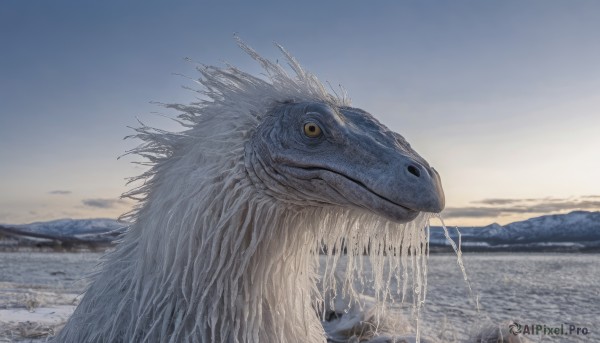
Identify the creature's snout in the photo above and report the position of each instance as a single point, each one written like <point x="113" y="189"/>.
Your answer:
<point x="397" y="185"/>
<point x="428" y="179"/>
<point x="414" y="185"/>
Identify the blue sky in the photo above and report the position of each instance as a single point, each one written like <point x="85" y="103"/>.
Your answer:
<point x="502" y="97"/>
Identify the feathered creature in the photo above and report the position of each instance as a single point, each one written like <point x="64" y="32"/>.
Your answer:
<point x="234" y="211"/>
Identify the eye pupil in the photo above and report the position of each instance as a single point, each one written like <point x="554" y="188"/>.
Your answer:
<point x="312" y="130"/>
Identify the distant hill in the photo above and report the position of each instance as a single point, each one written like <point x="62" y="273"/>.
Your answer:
<point x="62" y="233"/>
<point x="575" y="231"/>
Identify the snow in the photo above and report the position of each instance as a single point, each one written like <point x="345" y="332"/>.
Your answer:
<point x="578" y="230"/>
<point x="72" y="227"/>
<point x="66" y="231"/>
<point x="39" y="291"/>
<point x="43" y="316"/>
<point x="528" y="288"/>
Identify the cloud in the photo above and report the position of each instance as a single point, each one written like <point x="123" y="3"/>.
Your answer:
<point x="565" y="205"/>
<point x="471" y="212"/>
<point x="102" y="203"/>
<point x="59" y="192"/>
<point x="498" y="201"/>
<point x="503" y="207"/>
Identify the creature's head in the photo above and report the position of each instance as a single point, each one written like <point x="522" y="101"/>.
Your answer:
<point x="297" y="142"/>
<point x="322" y="153"/>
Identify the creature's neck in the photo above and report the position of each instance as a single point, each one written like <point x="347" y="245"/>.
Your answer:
<point x="265" y="290"/>
<point x="246" y="272"/>
<point x="226" y="265"/>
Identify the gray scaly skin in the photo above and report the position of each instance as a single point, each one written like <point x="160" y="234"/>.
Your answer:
<point x="354" y="161"/>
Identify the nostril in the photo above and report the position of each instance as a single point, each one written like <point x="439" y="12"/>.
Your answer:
<point x="414" y="170"/>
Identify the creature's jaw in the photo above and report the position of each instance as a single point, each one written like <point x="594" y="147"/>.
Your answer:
<point x="341" y="189"/>
<point x="363" y="196"/>
<point x="395" y="185"/>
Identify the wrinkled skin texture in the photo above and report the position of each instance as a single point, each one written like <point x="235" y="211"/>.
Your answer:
<point x="354" y="161"/>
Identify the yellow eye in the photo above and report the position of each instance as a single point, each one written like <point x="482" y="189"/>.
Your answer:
<point x="312" y="130"/>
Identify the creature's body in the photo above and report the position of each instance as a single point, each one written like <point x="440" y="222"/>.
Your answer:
<point x="224" y="245"/>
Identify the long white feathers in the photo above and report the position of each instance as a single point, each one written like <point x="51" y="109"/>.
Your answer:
<point x="208" y="258"/>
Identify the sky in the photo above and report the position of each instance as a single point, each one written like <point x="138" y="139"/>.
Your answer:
<point x="501" y="97"/>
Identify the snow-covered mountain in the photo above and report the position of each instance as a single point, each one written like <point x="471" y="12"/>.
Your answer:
<point x="72" y="227"/>
<point x="62" y="232"/>
<point x="575" y="231"/>
<point x="578" y="231"/>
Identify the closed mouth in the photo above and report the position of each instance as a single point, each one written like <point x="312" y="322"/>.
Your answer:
<point x="364" y="187"/>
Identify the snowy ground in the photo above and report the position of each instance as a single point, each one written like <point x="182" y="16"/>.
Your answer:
<point x="539" y="289"/>
<point x="38" y="291"/>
